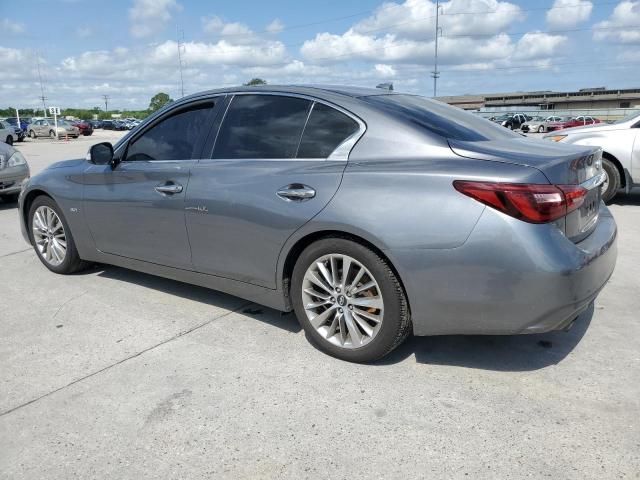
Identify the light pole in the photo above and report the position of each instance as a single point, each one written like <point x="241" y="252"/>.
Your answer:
<point x="436" y="74"/>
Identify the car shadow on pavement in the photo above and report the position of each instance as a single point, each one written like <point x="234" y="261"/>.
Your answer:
<point x="504" y="353"/>
<point x="622" y="199"/>
<point x="199" y="294"/>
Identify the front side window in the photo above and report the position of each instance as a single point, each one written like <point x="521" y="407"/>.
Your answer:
<point x="262" y="126"/>
<point x="173" y="138"/>
<point x="326" y="129"/>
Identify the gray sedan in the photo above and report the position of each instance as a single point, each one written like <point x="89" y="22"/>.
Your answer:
<point x="13" y="172"/>
<point x="371" y="214"/>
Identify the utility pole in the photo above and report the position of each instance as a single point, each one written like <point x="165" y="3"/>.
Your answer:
<point x="436" y="74"/>
<point x="180" y="45"/>
<point x="42" y="97"/>
<point x="106" y="103"/>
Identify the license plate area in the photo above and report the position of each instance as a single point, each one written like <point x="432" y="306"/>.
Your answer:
<point x="581" y="222"/>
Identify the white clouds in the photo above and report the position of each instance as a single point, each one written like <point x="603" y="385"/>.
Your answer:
<point x="276" y="26"/>
<point x="151" y="16"/>
<point x="568" y="13"/>
<point x="537" y="45"/>
<point x="384" y="70"/>
<point x="215" y="25"/>
<point x="10" y="27"/>
<point x="622" y="26"/>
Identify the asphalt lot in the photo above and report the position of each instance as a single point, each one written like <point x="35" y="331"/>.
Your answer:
<point x="117" y="374"/>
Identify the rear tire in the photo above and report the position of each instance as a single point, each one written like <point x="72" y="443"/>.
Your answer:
<point x="540" y="129"/>
<point x="9" y="140"/>
<point x="70" y="261"/>
<point x="32" y="134"/>
<point x="52" y="134"/>
<point x="612" y="184"/>
<point x="385" y="301"/>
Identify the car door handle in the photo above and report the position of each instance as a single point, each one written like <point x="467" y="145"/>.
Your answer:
<point x="296" y="192"/>
<point x="169" y="188"/>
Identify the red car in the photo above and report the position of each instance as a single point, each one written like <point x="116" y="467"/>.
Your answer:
<point x="86" y="128"/>
<point x="569" y="122"/>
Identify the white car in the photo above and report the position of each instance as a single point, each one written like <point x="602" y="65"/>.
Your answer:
<point x="620" y="142"/>
<point x="8" y="134"/>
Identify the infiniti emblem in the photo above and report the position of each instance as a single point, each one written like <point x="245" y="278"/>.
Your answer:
<point x="342" y="300"/>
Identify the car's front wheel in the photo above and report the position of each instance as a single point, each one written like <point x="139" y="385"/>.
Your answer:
<point x="349" y="301"/>
<point x="51" y="237"/>
<point x="612" y="182"/>
<point x="9" y="140"/>
<point x="52" y="134"/>
<point x="540" y="129"/>
<point x="32" y="134"/>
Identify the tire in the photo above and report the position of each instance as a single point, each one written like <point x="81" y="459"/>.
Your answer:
<point x="32" y="134"/>
<point x="540" y="129"/>
<point x="9" y="140"/>
<point x="612" y="185"/>
<point x="52" y="134"/>
<point x="334" y="335"/>
<point x="71" y="261"/>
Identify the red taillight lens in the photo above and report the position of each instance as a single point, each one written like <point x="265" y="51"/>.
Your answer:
<point x="531" y="203"/>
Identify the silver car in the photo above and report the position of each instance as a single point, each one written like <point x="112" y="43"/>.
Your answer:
<point x="8" y="134"/>
<point x="46" y="127"/>
<point x="620" y="142"/>
<point x="371" y="214"/>
<point x="14" y="171"/>
<point x="539" y="124"/>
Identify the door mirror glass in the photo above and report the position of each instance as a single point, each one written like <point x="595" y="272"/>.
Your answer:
<point x="101" y="153"/>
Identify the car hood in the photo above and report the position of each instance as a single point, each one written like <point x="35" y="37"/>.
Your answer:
<point x="66" y="163"/>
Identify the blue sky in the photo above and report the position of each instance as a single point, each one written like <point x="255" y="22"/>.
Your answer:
<point x="128" y="49"/>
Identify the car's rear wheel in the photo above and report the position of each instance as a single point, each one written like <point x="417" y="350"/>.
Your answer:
<point x="540" y="129"/>
<point x="51" y="237"/>
<point x="32" y="134"/>
<point x="9" y="140"/>
<point x="52" y="134"/>
<point x="612" y="181"/>
<point x="349" y="301"/>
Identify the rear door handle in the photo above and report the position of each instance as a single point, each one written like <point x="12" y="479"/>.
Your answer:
<point x="296" y="192"/>
<point x="169" y="188"/>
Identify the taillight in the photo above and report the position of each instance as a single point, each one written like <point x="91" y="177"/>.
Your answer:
<point x="531" y="203"/>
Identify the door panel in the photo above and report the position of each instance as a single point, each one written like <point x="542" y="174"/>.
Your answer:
<point x="236" y="221"/>
<point x="128" y="217"/>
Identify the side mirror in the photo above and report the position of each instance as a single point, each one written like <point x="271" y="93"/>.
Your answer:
<point x="101" y="154"/>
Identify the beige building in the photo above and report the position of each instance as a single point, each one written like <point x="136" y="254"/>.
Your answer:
<point x="588" y="98"/>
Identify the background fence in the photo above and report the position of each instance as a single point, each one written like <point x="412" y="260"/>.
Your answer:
<point x="604" y="114"/>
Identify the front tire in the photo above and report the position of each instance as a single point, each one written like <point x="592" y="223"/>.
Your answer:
<point x="51" y="237"/>
<point x="612" y="183"/>
<point x="9" y="140"/>
<point x="52" y="134"/>
<point x="349" y="301"/>
<point x="32" y="134"/>
<point x="540" y="129"/>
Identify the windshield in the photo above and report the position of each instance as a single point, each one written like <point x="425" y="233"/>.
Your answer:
<point x="628" y="118"/>
<point x="439" y="118"/>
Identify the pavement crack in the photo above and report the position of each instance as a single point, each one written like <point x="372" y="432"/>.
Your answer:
<point x="66" y="303"/>
<point x="126" y="359"/>
<point x="15" y="253"/>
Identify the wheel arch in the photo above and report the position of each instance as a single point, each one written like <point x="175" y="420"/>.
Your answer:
<point x="28" y="200"/>
<point x="618" y="165"/>
<point x="298" y="247"/>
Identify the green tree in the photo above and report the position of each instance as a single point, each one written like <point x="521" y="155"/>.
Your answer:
<point x="255" y="81"/>
<point x="159" y="100"/>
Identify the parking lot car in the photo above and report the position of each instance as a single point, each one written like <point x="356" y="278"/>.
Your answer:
<point x="107" y="125"/>
<point x="86" y="129"/>
<point x="512" y="121"/>
<point x="21" y="130"/>
<point x="621" y="144"/>
<point x="538" y="124"/>
<point x="45" y="127"/>
<point x="370" y="214"/>
<point x="570" y="122"/>
<point x="14" y="170"/>
<point x="8" y="133"/>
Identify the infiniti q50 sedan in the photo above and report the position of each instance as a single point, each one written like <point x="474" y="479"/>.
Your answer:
<point x="371" y="214"/>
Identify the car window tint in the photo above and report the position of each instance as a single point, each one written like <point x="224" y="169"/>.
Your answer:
<point x="174" y="138"/>
<point x="326" y="129"/>
<point x="439" y="118"/>
<point x="262" y="126"/>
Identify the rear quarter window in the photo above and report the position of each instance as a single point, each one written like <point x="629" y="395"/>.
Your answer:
<point x="439" y="118"/>
<point x="326" y="129"/>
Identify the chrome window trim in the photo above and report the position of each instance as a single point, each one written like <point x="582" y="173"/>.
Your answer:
<point x="341" y="152"/>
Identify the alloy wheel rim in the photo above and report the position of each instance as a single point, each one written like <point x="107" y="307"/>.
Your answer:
<point x="49" y="235"/>
<point x="342" y="301"/>
<point x="605" y="184"/>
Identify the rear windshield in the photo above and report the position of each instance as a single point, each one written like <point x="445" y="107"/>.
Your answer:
<point x="440" y="118"/>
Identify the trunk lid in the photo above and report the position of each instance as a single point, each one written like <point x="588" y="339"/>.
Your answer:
<point x="561" y="164"/>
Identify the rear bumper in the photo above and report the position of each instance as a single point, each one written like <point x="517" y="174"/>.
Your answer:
<point x="509" y="277"/>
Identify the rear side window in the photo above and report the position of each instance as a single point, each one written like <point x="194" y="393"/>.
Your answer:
<point x="262" y="126"/>
<point x="439" y="118"/>
<point x="173" y="138"/>
<point x="326" y="129"/>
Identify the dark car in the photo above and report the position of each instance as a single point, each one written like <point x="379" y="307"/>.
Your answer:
<point x="513" y="122"/>
<point x="85" y="127"/>
<point x="96" y="123"/>
<point x="21" y="130"/>
<point x="372" y="215"/>
<point x="108" y="125"/>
